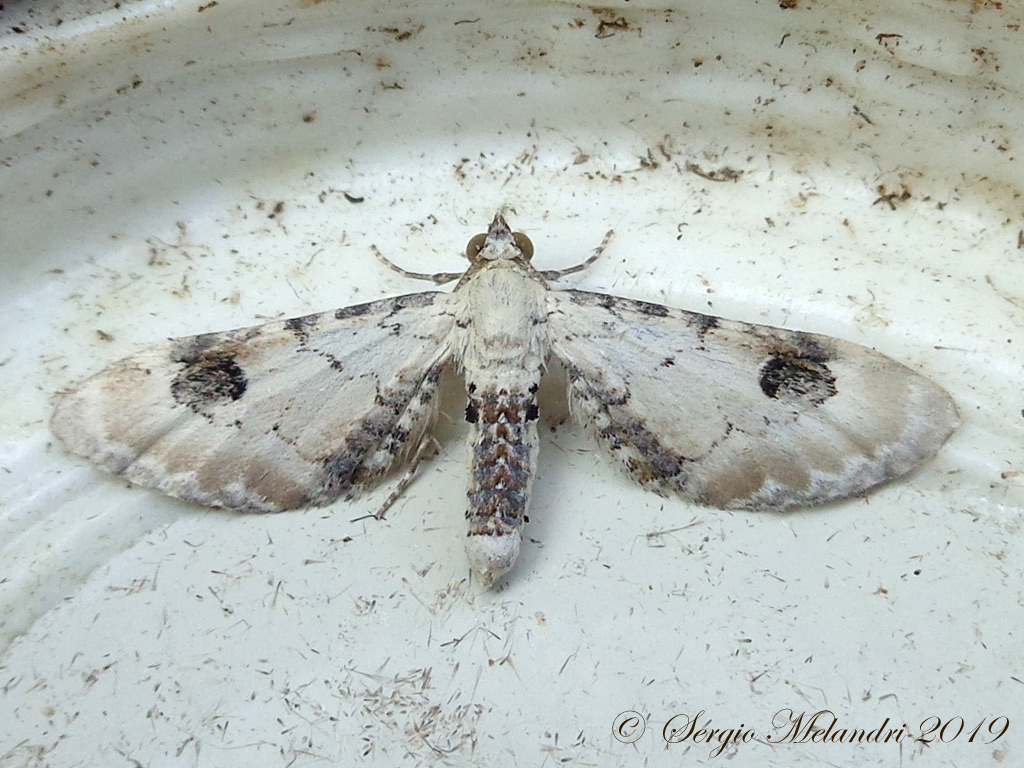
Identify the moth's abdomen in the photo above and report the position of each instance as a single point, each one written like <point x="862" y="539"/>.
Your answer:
<point x="503" y="464"/>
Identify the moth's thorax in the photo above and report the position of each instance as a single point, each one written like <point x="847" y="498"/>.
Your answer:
<point x="501" y="321"/>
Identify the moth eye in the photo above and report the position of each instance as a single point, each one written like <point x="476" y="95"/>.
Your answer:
<point x="523" y="244"/>
<point x="474" y="245"/>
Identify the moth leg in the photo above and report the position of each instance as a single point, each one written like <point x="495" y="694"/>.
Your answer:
<point x="438" y="278"/>
<point x="557" y="274"/>
<point x="428" y="444"/>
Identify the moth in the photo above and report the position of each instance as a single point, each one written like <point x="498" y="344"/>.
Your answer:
<point x="302" y="412"/>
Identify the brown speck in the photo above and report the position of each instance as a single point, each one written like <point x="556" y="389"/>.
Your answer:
<point x="725" y="173"/>
<point x="861" y="115"/>
<point x="882" y="37"/>
<point x="398" y="34"/>
<point x="135" y="83"/>
<point x="649" y="163"/>
<point x="607" y="27"/>
<point x="893" y="198"/>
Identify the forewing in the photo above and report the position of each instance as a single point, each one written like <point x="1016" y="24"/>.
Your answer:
<point x="735" y="415"/>
<point x="277" y="416"/>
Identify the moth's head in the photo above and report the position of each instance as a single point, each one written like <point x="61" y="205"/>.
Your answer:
<point x="499" y="243"/>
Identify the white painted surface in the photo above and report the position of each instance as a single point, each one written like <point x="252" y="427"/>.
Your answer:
<point x="141" y="629"/>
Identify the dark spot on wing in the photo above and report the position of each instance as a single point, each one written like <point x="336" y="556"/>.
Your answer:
<point x="208" y="377"/>
<point x="388" y="306"/>
<point x="343" y="470"/>
<point x="629" y="440"/>
<point x="796" y="377"/>
<point x="607" y="397"/>
<point x="424" y="299"/>
<point x="353" y="465"/>
<point x="614" y="303"/>
<point x="301" y="327"/>
<point x="397" y="437"/>
<point x="809" y="348"/>
<point x="354" y="311"/>
<point x="337" y="472"/>
<point x="653" y="310"/>
<point x="704" y="324"/>
<point x="667" y="362"/>
<point x="334" y="362"/>
<point x="434" y="374"/>
<point x="394" y="401"/>
<point x="659" y="465"/>
<point x="430" y="383"/>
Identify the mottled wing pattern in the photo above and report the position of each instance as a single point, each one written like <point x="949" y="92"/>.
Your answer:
<point x="277" y="416"/>
<point x="741" y="416"/>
